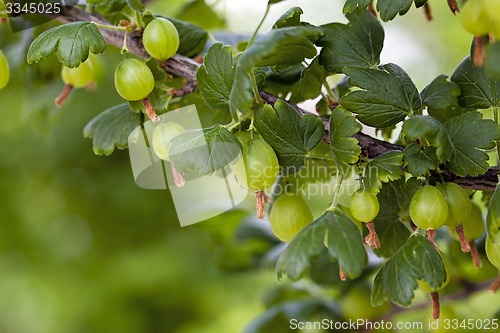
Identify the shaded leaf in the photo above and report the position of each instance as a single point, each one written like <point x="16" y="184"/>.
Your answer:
<point x="350" y="6"/>
<point x="343" y="239"/>
<point x="345" y="243"/>
<point x="492" y="65"/>
<point x="382" y="169"/>
<point x="192" y="38"/>
<point x="441" y="98"/>
<point x="478" y="90"/>
<point x="72" y="43"/>
<point x="215" y="76"/>
<point x="470" y="133"/>
<point x="388" y="9"/>
<point x="279" y="47"/>
<point x="429" y="131"/>
<point x="391" y="230"/>
<point x="357" y="44"/>
<point x="345" y="148"/>
<point x="290" y="19"/>
<point x="204" y="151"/>
<point x="388" y="95"/>
<point x="292" y="136"/>
<point x="396" y="281"/>
<point x="419" y="160"/>
<point x="111" y="129"/>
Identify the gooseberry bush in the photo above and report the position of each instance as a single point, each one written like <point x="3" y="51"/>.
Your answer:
<point x="415" y="199"/>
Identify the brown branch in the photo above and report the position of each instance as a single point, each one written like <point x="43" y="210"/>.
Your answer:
<point x="186" y="68"/>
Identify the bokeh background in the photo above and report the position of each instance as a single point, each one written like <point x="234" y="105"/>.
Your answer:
<point x="83" y="249"/>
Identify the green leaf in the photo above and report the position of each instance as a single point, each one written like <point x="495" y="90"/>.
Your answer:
<point x="397" y="279"/>
<point x="201" y="14"/>
<point x="492" y="65"/>
<point x="343" y="239"/>
<point x="135" y="5"/>
<point x="192" y="38"/>
<point x="478" y="90"/>
<point x="394" y="198"/>
<point x="292" y="136"/>
<point x="357" y="44"/>
<point x="429" y="130"/>
<point x="215" y="76"/>
<point x="420" y="3"/>
<point x="111" y="129"/>
<point x="419" y="160"/>
<point x="108" y="6"/>
<point x="290" y="19"/>
<point x="279" y="47"/>
<point x="345" y="148"/>
<point x="382" y="169"/>
<point x="204" y="151"/>
<point x="297" y="82"/>
<point x="272" y="2"/>
<point x="388" y="9"/>
<point x="345" y="243"/>
<point x="350" y="6"/>
<point x="441" y="98"/>
<point x="72" y="43"/>
<point x="470" y="133"/>
<point x="493" y="217"/>
<point x="309" y="242"/>
<point x="388" y="95"/>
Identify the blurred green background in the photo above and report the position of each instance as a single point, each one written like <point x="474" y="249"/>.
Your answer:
<point x="83" y="249"/>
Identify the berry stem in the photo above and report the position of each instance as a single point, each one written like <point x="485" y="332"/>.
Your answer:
<point x="474" y="253"/>
<point x="262" y="199"/>
<point x="495" y="284"/>
<point x="436" y="308"/>
<point x="178" y="179"/>
<point x="453" y="6"/>
<point x="431" y="234"/>
<point x="372" y="238"/>
<point x="371" y="9"/>
<point x="150" y="111"/>
<point x="260" y="25"/>
<point x="464" y="242"/>
<point x="427" y="12"/>
<point x="63" y="96"/>
<point x="479" y="51"/>
<point x="342" y="275"/>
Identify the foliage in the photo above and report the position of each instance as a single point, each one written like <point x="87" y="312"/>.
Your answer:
<point x="250" y="89"/>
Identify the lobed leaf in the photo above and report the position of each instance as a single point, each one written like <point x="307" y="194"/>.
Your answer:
<point x="419" y="160"/>
<point x="382" y="169"/>
<point x="279" y="47"/>
<point x="204" y="151"/>
<point x="72" y="42"/>
<point x="357" y="44"/>
<point x="397" y="280"/>
<point x="350" y="6"/>
<point x="441" y="98"/>
<point x="429" y="131"/>
<point x="111" y="129"/>
<point x="388" y="9"/>
<point x="216" y="75"/>
<point x="470" y="134"/>
<point x="290" y="19"/>
<point x="388" y="95"/>
<point x="478" y="90"/>
<point x="292" y="136"/>
<point x="345" y="148"/>
<point x="343" y="239"/>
